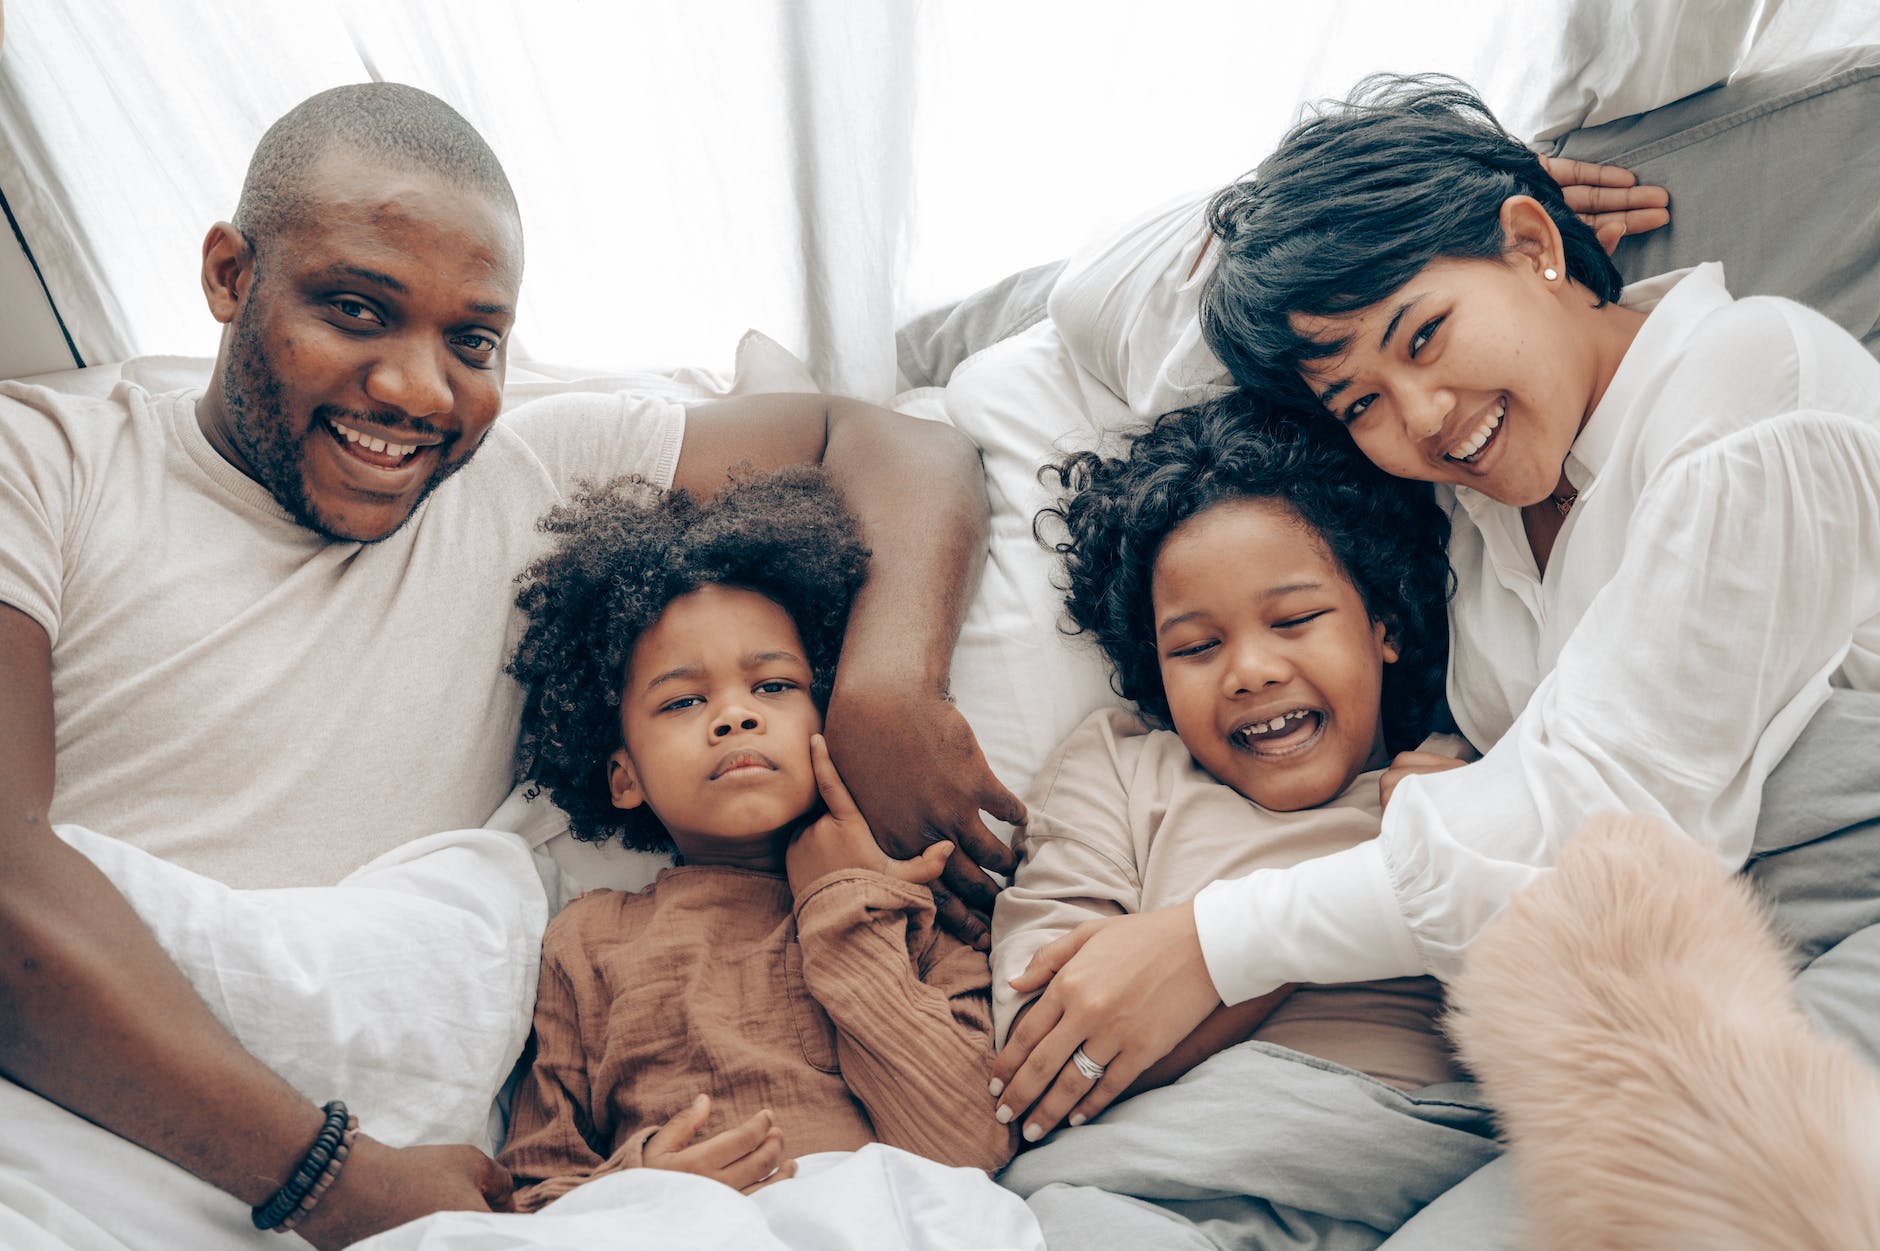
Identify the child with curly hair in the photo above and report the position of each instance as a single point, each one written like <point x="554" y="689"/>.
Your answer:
<point x="783" y="989"/>
<point x="1274" y="607"/>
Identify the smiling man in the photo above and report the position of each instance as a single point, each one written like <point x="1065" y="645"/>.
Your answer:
<point x="259" y="631"/>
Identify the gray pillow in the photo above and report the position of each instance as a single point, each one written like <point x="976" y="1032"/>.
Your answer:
<point x="928" y="347"/>
<point x="1774" y="175"/>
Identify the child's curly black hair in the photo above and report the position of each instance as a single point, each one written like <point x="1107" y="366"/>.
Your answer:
<point x="1387" y="534"/>
<point x="625" y="551"/>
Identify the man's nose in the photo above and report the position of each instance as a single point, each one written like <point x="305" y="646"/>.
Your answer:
<point x="411" y="377"/>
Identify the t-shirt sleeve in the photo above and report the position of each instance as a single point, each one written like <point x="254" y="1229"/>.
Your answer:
<point x="38" y="473"/>
<point x="591" y="437"/>
<point x="1076" y="861"/>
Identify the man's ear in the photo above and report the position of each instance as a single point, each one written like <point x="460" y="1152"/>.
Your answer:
<point x="1386" y="645"/>
<point x="622" y="782"/>
<point x="228" y="270"/>
<point x="1531" y="235"/>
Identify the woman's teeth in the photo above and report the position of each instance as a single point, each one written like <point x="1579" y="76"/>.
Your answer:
<point x="1467" y="450"/>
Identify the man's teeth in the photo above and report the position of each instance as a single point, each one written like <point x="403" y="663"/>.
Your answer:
<point x="1483" y="433"/>
<point x="374" y="445"/>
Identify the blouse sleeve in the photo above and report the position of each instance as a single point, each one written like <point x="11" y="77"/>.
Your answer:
<point x="913" y="1022"/>
<point x="1751" y="566"/>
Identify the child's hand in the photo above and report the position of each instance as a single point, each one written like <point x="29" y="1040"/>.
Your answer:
<point x="840" y="838"/>
<point x="746" y="1158"/>
<point x="1407" y="763"/>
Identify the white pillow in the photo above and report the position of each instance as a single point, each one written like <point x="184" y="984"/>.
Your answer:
<point x="406" y="990"/>
<point x="1614" y="58"/>
<point x="1022" y="684"/>
<point x="1127" y="307"/>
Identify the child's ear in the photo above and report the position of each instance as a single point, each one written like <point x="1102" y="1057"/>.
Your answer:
<point x="622" y="782"/>
<point x="1386" y="645"/>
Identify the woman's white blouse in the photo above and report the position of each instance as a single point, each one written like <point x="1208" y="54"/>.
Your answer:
<point x="1719" y="572"/>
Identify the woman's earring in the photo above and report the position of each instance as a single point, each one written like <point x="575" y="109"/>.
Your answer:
<point x="1550" y="273"/>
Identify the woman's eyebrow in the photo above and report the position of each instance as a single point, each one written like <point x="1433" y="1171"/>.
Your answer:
<point x="1391" y="329"/>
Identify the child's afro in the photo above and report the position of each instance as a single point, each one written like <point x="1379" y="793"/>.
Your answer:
<point x="624" y="551"/>
<point x="1387" y="535"/>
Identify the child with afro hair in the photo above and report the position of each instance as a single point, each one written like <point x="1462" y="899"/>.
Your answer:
<point x="1273" y="605"/>
<point x="782" y="989"/>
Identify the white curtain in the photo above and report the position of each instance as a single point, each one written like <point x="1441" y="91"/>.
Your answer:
<point x="818" y="169"/>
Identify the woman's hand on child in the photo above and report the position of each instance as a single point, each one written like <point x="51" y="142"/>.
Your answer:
<point x="1407" y="763"/>
<point x="746" y="1157"/>
<point x="840" y="838"/>
<point x="917" y="770"/>
<point x="1608" y="199"/>
<point x="1124" y="990"/>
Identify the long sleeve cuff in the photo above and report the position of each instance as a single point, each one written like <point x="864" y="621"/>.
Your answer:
<point x="1326" y="921"/>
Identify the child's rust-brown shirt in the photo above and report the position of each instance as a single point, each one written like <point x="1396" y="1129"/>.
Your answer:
<point x="850" y="1015"/>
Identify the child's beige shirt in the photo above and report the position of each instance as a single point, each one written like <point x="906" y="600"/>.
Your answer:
<point x="1123" y="820"/>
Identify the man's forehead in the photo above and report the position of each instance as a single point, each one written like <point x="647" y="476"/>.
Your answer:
<point x="370" y="219"/>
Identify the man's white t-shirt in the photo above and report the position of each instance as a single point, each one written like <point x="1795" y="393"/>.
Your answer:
<point x="247" y="699"/>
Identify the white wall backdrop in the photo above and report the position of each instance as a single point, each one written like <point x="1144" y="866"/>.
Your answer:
<point x="818" y="169"/>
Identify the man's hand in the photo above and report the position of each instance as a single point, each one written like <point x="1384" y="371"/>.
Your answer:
<point x="1406" y="763"/>
<point x="916" y="770"/>
<point x="1609" y="199"/>
<point x="840" y="838"/>
<point x="746" y="1158"/>
<point x="1126" y="990"/>
<point x="382" y="1187"/>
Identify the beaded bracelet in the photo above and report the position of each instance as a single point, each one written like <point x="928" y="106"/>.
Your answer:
<point x="336" y="1133"/>
<point x="327" y="1178"/>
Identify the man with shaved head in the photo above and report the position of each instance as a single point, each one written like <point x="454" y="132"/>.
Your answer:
<point x="259" y="630"/>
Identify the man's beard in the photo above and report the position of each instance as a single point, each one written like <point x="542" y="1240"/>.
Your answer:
<point x="262" y="433"/>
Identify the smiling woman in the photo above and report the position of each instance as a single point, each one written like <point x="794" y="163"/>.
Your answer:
<point x="1665" y="530"/>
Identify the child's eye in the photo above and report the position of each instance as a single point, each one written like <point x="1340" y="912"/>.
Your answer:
<point x="1195" y="649"/>
<point x="1356" y="408"/>
<point x="681" y="703"/>
<point x="1424" y="334"/>
<point x="775" y="686"/>
<point x="1292" y="623"/>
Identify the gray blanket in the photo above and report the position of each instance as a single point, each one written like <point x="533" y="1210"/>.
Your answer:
<point x="1256" y="1149"/>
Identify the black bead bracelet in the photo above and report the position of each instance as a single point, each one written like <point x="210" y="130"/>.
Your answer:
<point x="313" y="1166"/>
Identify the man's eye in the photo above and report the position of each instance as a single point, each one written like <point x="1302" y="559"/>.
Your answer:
<point x="476" y="344"/>
<point x="357" y="310"/>
<point x="1424" y="334"/>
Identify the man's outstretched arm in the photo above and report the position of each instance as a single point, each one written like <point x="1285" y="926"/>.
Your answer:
<point x="917" y="488"/>
<point x="95" y="1017"/>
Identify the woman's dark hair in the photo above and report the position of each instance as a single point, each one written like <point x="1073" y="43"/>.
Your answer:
<point x="623" y="552"/>
<point x="1352" y="205"/>
<point x="1387" y="535"/>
